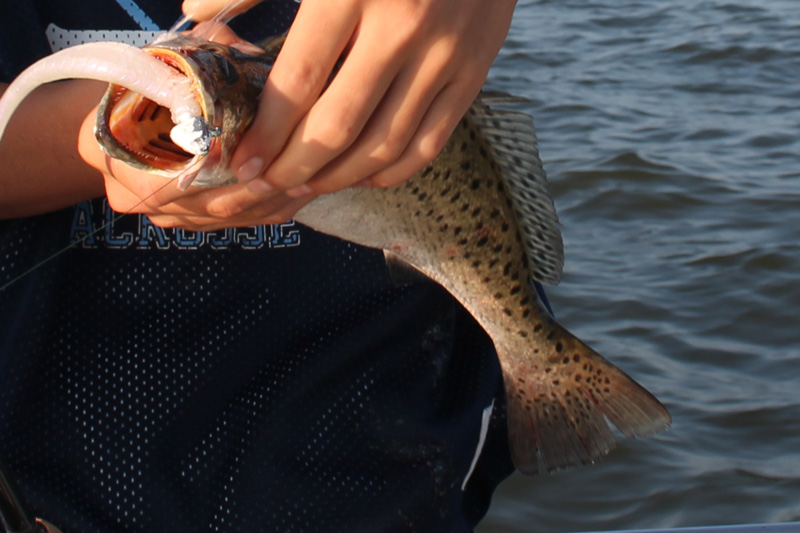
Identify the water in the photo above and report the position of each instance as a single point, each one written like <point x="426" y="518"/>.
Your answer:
<point x="670" y="131"/>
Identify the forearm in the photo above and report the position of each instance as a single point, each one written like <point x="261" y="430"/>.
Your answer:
<point x="40" y="168"/>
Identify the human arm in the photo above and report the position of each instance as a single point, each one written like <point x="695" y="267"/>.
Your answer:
<point x="40" y="170"/>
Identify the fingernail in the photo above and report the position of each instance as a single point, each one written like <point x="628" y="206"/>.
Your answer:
<point x="259" y="187"/>
<point x="300" y="190"/>
<point x="250" y="170"/>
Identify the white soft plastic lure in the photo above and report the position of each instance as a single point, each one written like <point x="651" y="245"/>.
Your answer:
<point x="124" y="65"/>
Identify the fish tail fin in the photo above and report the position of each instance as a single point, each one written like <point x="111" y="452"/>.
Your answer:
<point x="558" y="413"/>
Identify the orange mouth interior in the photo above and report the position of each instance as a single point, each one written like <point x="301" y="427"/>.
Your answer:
<point x="142" y="127"/>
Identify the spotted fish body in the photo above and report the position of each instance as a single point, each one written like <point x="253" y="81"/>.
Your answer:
<point x="480" y="221"/>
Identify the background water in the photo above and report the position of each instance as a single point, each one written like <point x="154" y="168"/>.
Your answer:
<point x="670" y="132"/>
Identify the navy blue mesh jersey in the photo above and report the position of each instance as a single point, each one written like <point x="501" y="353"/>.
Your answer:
<point x="256" y="379"/>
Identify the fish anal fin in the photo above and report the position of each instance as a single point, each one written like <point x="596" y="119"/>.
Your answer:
<point x="401" y="271"/>
<point x="559" y="410"/>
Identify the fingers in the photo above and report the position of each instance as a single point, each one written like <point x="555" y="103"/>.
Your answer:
<point x="412" y="69"/>
<point x="312" y="48"/>
<point x="200" y="10"/>
<point x="397" y="124"/>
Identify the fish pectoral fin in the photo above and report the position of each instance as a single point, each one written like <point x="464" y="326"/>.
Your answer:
<point x="558" y="415"/>
<point x="401" y="271"/>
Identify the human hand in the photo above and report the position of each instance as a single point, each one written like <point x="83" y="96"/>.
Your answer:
<point x="411" y="71"/>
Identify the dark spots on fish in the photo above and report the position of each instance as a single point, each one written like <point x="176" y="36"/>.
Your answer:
<point x="465" y="165"/>
<point x="476" y="212"/>
<point x="556" y="382"/>
<point x="423" y="196"/>
<point x="526" y="312"/>
<point x="444" y="228"/>
<point x="465" y="207"/>
<point x="467" y="255"/>
<point x="463" y="242"/>
<point x="504" y="227"/>
<point x="565" y="360"/>
<point x="551" y="335"/>
<point x="538" y="327"/>
<point x="500" y="186"/>
<point x="446" y="175"/>
<point x="548" y="370"/>
<point x="477" y="263"/>
<point x="445" y="191"/>
<point x="229" y="72"/>
<point x="430" y="213"/>
<point x="523" y="334"/>
<point x="483" y="153"/>
<point x="487" y="279"/>
<point x="497" y="249"/>
<point x="437" y="174"/>
<point x="464" y="147"/>
<point x="493" y="263"/>
<point x="525" y="300"/>
<point x="516" y="289"/>
<point x="418" y="214"/>
<point x="426" y="171"/>
<point x="559" y="347"/>
<point x="439" y="218"/>
<point x="515" y="276"/>
<point x="508" y="311"/>
<point x="475" y="185"/>
<point x="498" y="296"/>
<point x="479" y="226"/>
<point x="482" y="242"/>
<point x="457" y="231"/>
<point x="494" y="214"/>
<point x="415" y="191"/>
<point x="472" y="135"/>
<point x="507" y="268"/>
<point x="455" y="197"/>
<point x="578" y="378"/>
<point x="576" y="358"/>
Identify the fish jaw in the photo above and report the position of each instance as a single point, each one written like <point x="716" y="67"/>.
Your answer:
<point x="196" y="150"/>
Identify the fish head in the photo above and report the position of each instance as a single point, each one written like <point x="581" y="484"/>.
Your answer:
<point x="226" y="84"/>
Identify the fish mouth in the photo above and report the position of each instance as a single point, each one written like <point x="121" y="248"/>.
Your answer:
<point x="136" y="130"/>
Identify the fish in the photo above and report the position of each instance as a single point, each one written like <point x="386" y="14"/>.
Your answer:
<point x="479" y="220"/>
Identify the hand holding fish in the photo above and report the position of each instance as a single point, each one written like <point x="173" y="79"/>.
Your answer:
<point x="411" y="71"/>
<point x="132" y="190"/>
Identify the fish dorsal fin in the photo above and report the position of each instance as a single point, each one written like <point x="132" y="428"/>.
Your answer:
<point x="512" y="139"/>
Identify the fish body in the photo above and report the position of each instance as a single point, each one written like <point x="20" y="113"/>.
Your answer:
<point x="478" y="220"/>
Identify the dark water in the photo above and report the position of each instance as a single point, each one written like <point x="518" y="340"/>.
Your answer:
<point x="671" y="133"/>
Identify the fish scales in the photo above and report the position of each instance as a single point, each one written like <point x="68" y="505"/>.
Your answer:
<point x="478" y="220"/>
<point x="457" y="223"/>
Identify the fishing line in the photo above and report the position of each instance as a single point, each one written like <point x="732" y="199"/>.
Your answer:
<point x="84" y="238"/>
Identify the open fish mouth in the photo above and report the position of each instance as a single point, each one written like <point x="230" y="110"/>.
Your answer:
<point x="225" y="84"/>
<point x="143" y="133"/>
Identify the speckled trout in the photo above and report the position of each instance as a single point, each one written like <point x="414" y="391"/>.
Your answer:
<point x="478" y="220"/>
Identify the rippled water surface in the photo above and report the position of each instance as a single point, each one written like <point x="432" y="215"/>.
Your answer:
<point x="671" y="133"/>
